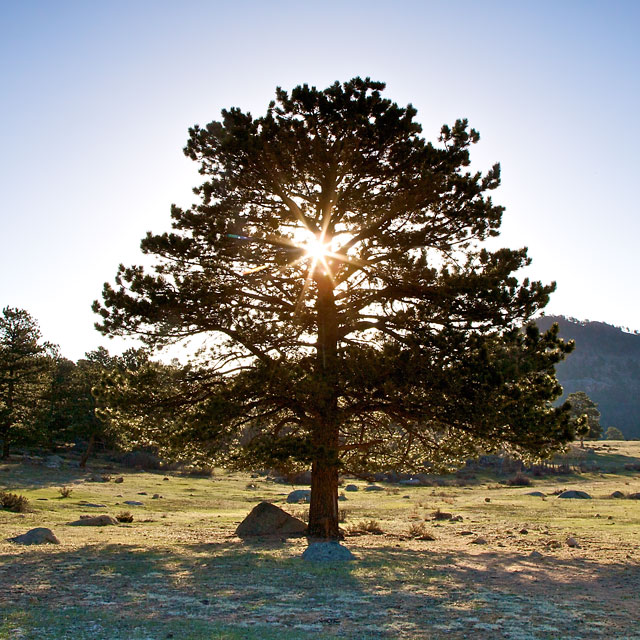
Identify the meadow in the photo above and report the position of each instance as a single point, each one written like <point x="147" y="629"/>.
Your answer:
<point x="504" y="569"/>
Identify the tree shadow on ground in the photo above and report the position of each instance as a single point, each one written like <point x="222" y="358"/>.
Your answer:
<point x="387" y="592"/>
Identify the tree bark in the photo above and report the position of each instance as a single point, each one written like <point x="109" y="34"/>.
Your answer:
<point x="323" y="511"/>
<point x="85" y="456"/>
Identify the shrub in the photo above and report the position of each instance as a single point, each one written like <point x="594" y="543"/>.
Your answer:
<point x="366" y="526"/>
<point x="200" y="472"/>
<point x="141" y="460"/>
<point x="519" y="480"/>
<point x="65" y="492"/>
<point x="342" y="515"/>
<point x="125" y="516"/>
<point x="13" y="502"/>
<point x="419" y="531"/>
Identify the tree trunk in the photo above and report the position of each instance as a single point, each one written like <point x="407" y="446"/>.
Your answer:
<point x="323" y="511"/>
<point x="87" y="453"/>
<point x="5" y="435"/>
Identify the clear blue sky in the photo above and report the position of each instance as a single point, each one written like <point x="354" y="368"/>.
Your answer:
<point x="96" y="99"/>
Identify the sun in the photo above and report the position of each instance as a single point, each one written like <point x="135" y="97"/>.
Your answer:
<point x="316" y="249"/>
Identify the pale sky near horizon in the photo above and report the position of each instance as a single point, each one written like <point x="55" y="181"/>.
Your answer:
<point x="96" y="100"/>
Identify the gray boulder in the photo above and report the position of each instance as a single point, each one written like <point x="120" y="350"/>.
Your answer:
<point x="40" y="535"/>
<point x="53" y="462"/>
<point x="265" y="519"/>
<point x="373" y="487"/>
<point x="537" y="494"/>
<point x="94" y="521"/>
<point x="351" y="487"/>
<point x="617" y="494"/>
<point x="331" y="551"/>
<point x="582" y="495"/>
<point x="299" y="495"/>
<point x="134" y="503"/>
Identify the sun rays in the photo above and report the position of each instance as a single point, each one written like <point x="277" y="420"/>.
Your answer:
<point x="314" y="249"/>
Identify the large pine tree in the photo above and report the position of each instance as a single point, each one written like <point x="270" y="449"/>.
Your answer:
<point x="335" y="259"/>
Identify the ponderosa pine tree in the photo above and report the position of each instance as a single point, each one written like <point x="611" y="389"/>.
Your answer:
<point x="335" y="259"/>
<point x="580" y="404"/>
<point x="25" y="362"/>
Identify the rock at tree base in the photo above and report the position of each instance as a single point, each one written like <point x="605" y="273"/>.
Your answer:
<point x="582" y="495"/>
<point x="299" y="495"/>
<point x="40" y="535"/>
<point x="94" y="521"/>
<point x="331" y="551"/>
<point x="266" y="519"/>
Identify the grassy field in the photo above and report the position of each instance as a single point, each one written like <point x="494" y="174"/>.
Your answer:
<point x="504" y="570"/>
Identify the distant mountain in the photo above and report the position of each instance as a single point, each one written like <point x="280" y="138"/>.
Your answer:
<point x="606" y="366"/>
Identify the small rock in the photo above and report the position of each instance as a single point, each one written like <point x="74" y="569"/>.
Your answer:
<point x="299" y="495"/>
<point x="40" y="535"/>
<point x="406" y="497"/>
<point x="581" y="495"/>
<point x="373" y="487"/>
<point x="609" y="517"/>
<point x="142" y="493"/>
<point x="479" y="540"/>
<point x="466" y="533"/>
<point x="93" y="505"/>
<point x="342" y="497"/>
<point x="634" y="496"/>
<point x="487" y="499"/>
<point x="456" y="519"/>
<point x="134" y="503"/>
<point x="97" y="521"/>
<point x="165" y="479"/>
<point x="572" y="542"/>
<point x="331" y="551"/>
<point x="537" y="494"/>
<point x="351" y="487"/>
<point x="156" y="496"/>
<point x="536" y="555"/>
<point x="53" y="462"/>
<point x="524" y="532"/>
<point x="119" y="480"/>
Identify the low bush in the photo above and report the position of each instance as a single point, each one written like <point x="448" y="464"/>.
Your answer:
<point x="141" y="460"/>
<point x="419" y="531"/>
<point x="125" y="516"/>
<point x="519" y="480"/>
<point x="13" y="502"/>
<point x="65" y="492"/>
<point x="366" y="526"/>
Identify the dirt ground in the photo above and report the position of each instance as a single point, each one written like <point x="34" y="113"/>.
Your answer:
<point x="504" y="570"/>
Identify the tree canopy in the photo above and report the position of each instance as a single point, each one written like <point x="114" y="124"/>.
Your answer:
<point x="354" y="320"/>
<point x="580" y="404"/>
<point x="25" y="362"/>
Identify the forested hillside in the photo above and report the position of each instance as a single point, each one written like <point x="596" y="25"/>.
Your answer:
<point x="606" y="365"/>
